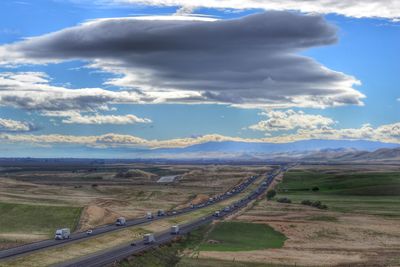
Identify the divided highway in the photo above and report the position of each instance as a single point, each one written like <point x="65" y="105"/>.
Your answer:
<point x="118" y="253"/>
<point x="17" y="251"/>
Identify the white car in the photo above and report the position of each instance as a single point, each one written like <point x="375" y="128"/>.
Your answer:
<point x="89" y="232"/>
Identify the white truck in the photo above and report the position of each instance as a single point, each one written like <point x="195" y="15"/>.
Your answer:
<point x="63" y="233"/>
<point x="121" y="221"/>
<point x="148" y="239"/>
<point x="149" y="215"/>
<point x="175" y="230"/>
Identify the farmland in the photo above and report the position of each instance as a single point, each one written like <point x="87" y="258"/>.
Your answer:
<point x="241" y="236"/>
<point x="374" y="193"/>
<point x="359" y="228"/>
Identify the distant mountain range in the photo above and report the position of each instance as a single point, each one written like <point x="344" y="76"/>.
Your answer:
<point x="298" y="146"/>
<point x="308" y="150"/>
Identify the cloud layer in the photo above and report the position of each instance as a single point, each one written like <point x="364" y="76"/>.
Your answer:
<point x="291" y="120"/>
<point x="74" y="117"/>
<point x="352" y="8"/>
<point x="7" y="125"/>
<point x="32" y="91"/>
<point x="385" y="133"/>
<point x="248" y="62"/>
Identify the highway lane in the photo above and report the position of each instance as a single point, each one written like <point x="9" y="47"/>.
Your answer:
<point x="17" y="251"/>
<point x="118" y="253"/>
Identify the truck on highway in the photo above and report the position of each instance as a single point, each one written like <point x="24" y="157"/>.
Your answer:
<point x="121" y="221"/>
<point x="148" y="239"/>
<point x="149" y="215"/>
<point x="160" y="213"/>
<point x="216" y="214"/>
<point x="175" y="230"/>
<point x="63" y="233"/>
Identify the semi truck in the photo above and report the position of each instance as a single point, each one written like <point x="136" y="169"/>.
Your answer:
<point x="121" y="221"/>
<point x="175" y="230"/>
<point x="160" y="213"/>
<point x="148" y="239"/>
<point x="63" y="233"/>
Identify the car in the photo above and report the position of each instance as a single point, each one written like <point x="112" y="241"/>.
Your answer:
<point x="133" y="244"/>
<point x="89" y="232"/>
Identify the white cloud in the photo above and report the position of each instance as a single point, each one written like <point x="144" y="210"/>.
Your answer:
<point x="14" y="126"/>
<point x="389" y="133"/>
<point x="33" y="91"/>
<point x="291" y="120"/>
<point x="74" y="117"/>
<point x="385" y="133"/>
<point x="297" y="125"/>
<point x="114" y="140"/>
<point x="389" y="9"/>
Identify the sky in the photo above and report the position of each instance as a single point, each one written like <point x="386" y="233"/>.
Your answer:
<point x="77" y="75"/>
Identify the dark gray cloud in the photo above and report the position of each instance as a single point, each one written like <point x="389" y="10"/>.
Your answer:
<point x="251" y="61"/>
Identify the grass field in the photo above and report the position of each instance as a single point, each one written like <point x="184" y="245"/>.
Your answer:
<point x="242" y="236"/>
<point x="22" y="218"/>
<point x="371" y="193"/>
<point x="171" y="255"/>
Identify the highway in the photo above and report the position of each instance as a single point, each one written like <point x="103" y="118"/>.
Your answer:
<point x="103" y="258"/>
<point x="20" y="250"/>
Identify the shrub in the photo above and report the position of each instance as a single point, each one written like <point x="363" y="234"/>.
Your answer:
<point x="306" y="202"/>
<point x="316" y="204"/>
<point x="271" y="193"/>
<point x="315" y="188"/>
<point x="284" y="200"/>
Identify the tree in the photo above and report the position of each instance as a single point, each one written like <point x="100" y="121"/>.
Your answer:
<point x="270" y="194"/>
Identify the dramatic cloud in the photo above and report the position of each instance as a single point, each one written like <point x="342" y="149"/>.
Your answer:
<point x="250" y="62"/>
<point x="73" y="117"/>
<point x="352" y="8"/>
<point x="386" y="133"/>
<point x="291" y="120"/>
<point x="7" y="125"/>
<point x="32" y="91"/>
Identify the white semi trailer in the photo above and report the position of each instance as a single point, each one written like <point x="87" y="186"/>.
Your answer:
<point x="148" y="239"/>
<point x="63" y="233"/>
<point x="175" y="230"/>
<point x="121" y="221"/>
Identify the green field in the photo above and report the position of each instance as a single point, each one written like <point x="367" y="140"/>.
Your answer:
<point x="372" y="193"/>
<point x="242" y="236"/>
<point x="22" y="218"/>
<point x="171" y="254"/>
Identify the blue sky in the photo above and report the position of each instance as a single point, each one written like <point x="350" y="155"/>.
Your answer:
<point x="367" y="49"/>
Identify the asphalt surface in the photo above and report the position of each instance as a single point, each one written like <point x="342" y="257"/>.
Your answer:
<point x="118" y="253"/>
<point x="17" y="251"/>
